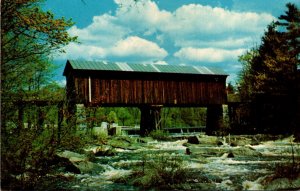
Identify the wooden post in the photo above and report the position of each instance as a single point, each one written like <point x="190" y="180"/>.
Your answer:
<point x="60" y="118"/>
<point x="214" y="119"/>
<point x="71" y="103"/>
<point x="40" y="120"/>
<point x="71" y="118"/>
<point x="150" y="119"/>
<point x="90" y="90"/>
<point x="20" y="116"/>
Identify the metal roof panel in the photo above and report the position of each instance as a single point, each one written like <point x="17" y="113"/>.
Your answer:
<point x="111" y="66"/>
<point x="142" y="68"/>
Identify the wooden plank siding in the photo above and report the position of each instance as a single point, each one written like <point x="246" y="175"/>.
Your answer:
<point x="153" y="92"/>
<point x="111" y="86"/>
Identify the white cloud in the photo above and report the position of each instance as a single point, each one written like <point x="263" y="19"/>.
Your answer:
<point x="103" y="31"/>
<point x="196" y="23"/>
<point x="143" y="15"/>
<point x="62" y="83"/>
<point x="193" y="25"/>
<point x="216" y="43"/>
<point x="140" y="30"/>
<point x="205" y="19"/>
<point x="83" y="51"/>
<point x="135" y="46"/>
<point x="130" y="47"/>
<point x="160" y="62"/>
<point x="207" y="54"/>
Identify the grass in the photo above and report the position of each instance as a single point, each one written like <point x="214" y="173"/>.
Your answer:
<point x="160" y="135"/>
<point x="160" y="170"/>
<point x="290" y="170"/>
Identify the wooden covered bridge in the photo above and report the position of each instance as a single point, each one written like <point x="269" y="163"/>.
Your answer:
<point x="148" y="87"/>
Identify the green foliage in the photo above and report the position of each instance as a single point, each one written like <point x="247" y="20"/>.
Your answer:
<point x="73" y="141"/>
<point x="127" y="116"/>
<point x="183" y="117"/>
<point x="161" y="171"/>
<point x="28" y="36"/>
<point x="289" y="170"/>
<point x="123" y="115"/>
<point x="130" y="116"/>
<point x="27" y="30"/>
<point x="271" y="67"/>
<point x="230" y="88"/>
<point x="112" y="117"/>
<point x="159" y="135"/>
<point x="268" y="80"/>
<point x="25" y="158"/>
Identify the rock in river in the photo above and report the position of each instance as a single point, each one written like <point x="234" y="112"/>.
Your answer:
<point x="81" y="162"/>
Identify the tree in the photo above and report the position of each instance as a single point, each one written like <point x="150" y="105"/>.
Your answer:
<point x="245" y="86"/>
<point x="27" y="31"/>
<point x="112" y="117"/>
<point x="123" y="115"/>
<point x="269" y="75"/>
<point x="29" y="36"/>
<point x="271" y="67"/>
<point x="230" y="88"/>
<point x="290" y="22"/>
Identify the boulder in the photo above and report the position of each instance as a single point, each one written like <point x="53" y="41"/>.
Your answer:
<point x="240" y="141"/>
<point x="245" y="151"/>
<point x="72" y="156"/>
<point x="104" y="150"/>
<point x="87" y="167"/>
<point x="230" y="155"/>
<point x="123" y="143"/>
<point x="144" y="139"/>
<point x="64" y="164"/>
<point x="283" y="184"/>
<point x="78" y="163"/>
<point x="100" y="131"/>
<point x="194" y="140"/>
<point x="115" y="130"/>
<point x="188" y="151"/>
<point x="220" y="143"/>
<point x="209" y="140"/>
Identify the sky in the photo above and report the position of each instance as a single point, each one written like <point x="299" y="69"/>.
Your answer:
<point x="212" y="33"/>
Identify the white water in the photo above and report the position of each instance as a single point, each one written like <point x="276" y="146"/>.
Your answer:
<point x="241" y="172"/>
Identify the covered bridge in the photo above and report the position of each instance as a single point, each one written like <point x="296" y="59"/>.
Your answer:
<point x="147" y="86"/>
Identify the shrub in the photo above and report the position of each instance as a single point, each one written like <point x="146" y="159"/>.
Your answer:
<point x="289" y="170"/>
<point x="25" y="158"/>
<point x="160" y="135"/>
<point x="27" y="155"/>
<point x="162" y="170"/>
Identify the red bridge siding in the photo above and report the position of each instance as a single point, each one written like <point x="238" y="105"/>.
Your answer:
<point x="154" y="92"/>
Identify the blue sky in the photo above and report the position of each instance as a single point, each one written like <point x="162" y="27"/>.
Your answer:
<point x="210" y="33"/>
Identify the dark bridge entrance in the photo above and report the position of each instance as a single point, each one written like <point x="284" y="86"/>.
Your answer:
<point x="147" y="86"/>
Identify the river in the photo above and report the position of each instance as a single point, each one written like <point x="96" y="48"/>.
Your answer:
<point x="228" y="163"/>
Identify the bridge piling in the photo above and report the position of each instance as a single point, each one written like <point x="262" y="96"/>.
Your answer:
<point x="214" y="119"/>
<point x="150" y="119"/>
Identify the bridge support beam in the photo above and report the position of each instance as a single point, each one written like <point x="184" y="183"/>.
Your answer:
<point x="150" y="119"/>
<point x="214" y="120"/>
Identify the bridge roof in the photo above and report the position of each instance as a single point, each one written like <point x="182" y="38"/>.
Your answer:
<point x="150" y="68"/>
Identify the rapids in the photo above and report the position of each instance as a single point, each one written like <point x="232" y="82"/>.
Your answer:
<point x="214" y="166"/>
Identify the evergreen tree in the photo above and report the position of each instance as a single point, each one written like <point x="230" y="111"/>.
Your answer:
<point x="271" y="68"/>
<point x="269" y="75"/>
<point x="290" y="22"/>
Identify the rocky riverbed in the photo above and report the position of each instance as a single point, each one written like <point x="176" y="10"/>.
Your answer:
<point x="195" y="162"/>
